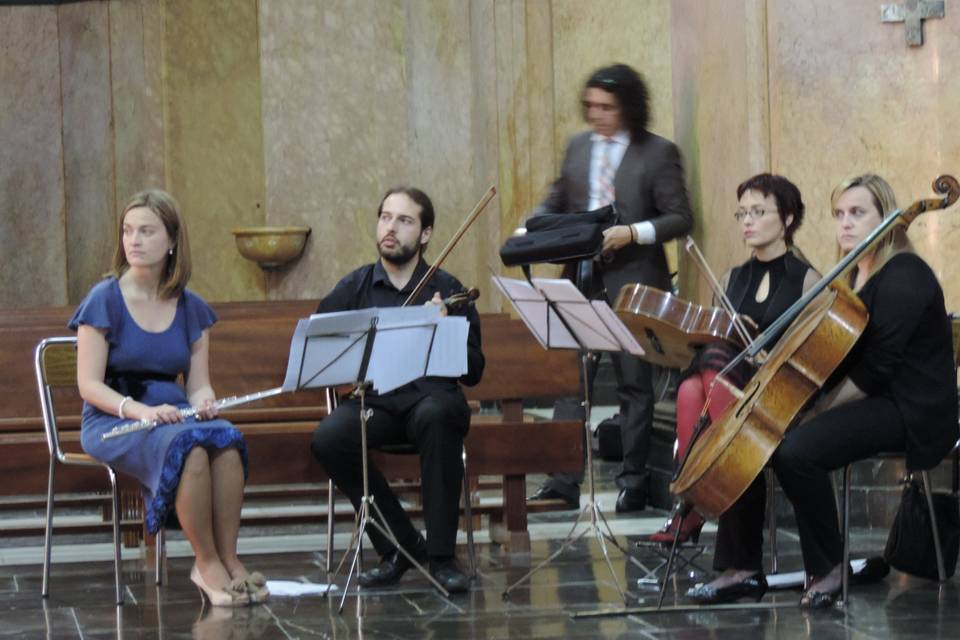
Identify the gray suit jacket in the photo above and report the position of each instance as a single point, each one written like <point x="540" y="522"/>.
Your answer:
<point x="649" y="185"/>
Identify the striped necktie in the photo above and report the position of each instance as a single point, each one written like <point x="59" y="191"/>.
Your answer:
<point x="607" y="175"/>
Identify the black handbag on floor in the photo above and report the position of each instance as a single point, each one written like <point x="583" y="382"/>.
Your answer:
<point x="910" y="543"/>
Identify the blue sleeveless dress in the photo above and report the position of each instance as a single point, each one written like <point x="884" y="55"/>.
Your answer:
<point x="144" y="365"/>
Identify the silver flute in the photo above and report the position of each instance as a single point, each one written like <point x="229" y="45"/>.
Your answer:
<point x="189" y="412"/>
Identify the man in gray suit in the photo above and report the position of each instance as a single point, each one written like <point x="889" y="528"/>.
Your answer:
<point x="619" y="162"/>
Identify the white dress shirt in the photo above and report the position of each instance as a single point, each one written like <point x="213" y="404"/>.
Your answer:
<point x="644" y="232"/>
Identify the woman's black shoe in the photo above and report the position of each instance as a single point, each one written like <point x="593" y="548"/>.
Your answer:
<point x="819" y="599"/>
<point x="753" y="587"/>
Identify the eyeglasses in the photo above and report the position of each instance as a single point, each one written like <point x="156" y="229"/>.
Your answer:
<point x="753" y="214"/>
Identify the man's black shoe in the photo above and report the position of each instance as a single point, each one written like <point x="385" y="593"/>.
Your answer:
<point x="546" y="493"/>
<point x="391" y="569"/>
<point x="449" y="575"/>
<point x="631" y="500"/>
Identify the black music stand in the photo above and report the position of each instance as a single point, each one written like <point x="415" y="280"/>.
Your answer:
<point x="560" y="317"/>
<point x="378" y="349"/>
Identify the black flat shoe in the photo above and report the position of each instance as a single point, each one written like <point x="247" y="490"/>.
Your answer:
<point x="753" y="587"/>
<point x="391" y="569"/>
<point x="631" y="500"/>
<point x="546" y="493"/>
<point x="450" y="577"/>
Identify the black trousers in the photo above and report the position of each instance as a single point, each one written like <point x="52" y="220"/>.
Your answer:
<point x="803" y="463"/>
<point x="635" y="393"/>
<point x="436" y="425"/>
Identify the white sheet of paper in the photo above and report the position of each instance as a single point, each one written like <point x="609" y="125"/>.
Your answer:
<point x="291" y="588"/>
<point x="338" y="354"/>
<point x="545" y="326"/>
<point x="415" y="341"/>
<point x="327" y="349"/>
<point x="627" y="342"/>
<point x="449" y="353"/>
<point x="596" y="326"/>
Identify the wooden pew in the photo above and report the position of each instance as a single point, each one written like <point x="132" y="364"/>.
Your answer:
<point x="249" y="347"/>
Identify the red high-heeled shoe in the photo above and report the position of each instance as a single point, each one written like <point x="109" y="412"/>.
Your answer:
<point x="689" y="530"/>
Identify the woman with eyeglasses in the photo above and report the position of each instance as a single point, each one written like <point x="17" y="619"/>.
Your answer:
<point x="769" y="212"/>
<point x="895" y="392"/>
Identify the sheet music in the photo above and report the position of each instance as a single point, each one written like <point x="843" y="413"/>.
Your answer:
<point x="627" y="342"/>
<point x="596" y="326"/>
<point x="410" y="342"/>
<point x="411" y="338"/>
<point x="545" y="326"/>
<point x="333" y="361"/>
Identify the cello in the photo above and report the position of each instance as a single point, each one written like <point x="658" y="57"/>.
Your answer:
<point x="821" y="329"/>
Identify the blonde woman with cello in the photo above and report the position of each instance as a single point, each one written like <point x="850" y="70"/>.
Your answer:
<point x="896" y="391"/>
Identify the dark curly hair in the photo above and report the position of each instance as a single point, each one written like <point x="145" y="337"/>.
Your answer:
<point x="631" y="94"/>
<point x="419" y="198"/>
<point x="787" y="195"/>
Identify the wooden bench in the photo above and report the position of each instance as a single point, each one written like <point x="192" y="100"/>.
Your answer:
<point x="249" y="347"/>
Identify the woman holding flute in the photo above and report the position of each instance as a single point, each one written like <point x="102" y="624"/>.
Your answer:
<point x="137" y="331"/>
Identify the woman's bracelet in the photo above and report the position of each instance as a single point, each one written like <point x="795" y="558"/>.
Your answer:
<point x="633" y="234"/>
<point x="125" y="400"/>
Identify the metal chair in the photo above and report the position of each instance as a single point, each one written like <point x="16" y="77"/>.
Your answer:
<point x="845" y="521"/>
<point x="55" y="363"/>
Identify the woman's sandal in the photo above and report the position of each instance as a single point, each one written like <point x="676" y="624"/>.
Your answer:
<point x="256" y="585"/>
<point x="819" y="599"/>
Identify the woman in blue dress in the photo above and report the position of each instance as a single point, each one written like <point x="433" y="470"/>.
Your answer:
<point x="137" y="331"/>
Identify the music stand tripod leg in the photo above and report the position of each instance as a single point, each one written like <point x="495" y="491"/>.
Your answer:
<point x="591" y="507"/>
<point x="364" y="516"/>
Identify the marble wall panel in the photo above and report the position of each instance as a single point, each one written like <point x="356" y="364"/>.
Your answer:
<point x="484" y="144"/>
<point x="31" y="168"/>
<point x="136" y="66"/>
<point x="525" y="109"/>
<point x="848" y="96"/>
<point x="336" y="121"/>
<point x="214" y="136"/>
<point x="442" y="95"/>
<point x="587" y="35"/>
<point x="720" y="113"/>
<point x="88" y="158"/>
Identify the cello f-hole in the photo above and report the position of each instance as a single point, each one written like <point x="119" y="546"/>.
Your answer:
<point x="746" y="401"/>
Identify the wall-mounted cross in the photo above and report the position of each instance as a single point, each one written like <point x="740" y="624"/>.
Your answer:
<point x="912" y="13"/>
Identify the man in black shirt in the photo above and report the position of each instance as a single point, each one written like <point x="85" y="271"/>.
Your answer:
<point x="430" y="412"/>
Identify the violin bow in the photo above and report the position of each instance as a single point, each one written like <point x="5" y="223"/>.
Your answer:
<point x="698" y="259"/>
<point x="477" y="210"/>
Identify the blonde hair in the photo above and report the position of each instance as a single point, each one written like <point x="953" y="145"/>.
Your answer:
<point x="176" y="272"/>
<point x="895" y="240"/>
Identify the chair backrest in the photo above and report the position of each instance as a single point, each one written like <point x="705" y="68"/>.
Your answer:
<point x="55" y="362"/>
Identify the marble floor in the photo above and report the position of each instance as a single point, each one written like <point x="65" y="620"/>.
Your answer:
<point x="575" y="583"/>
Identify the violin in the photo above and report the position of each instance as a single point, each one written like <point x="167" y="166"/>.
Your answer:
<point x="461" y="298"/>
<point x="820" y="330"/>
<point x="669" y="328"/>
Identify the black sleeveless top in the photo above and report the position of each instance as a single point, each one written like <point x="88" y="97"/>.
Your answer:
<point x="787" y="274"/>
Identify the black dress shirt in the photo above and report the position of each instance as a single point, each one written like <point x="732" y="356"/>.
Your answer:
<point x="369" y="286"/>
